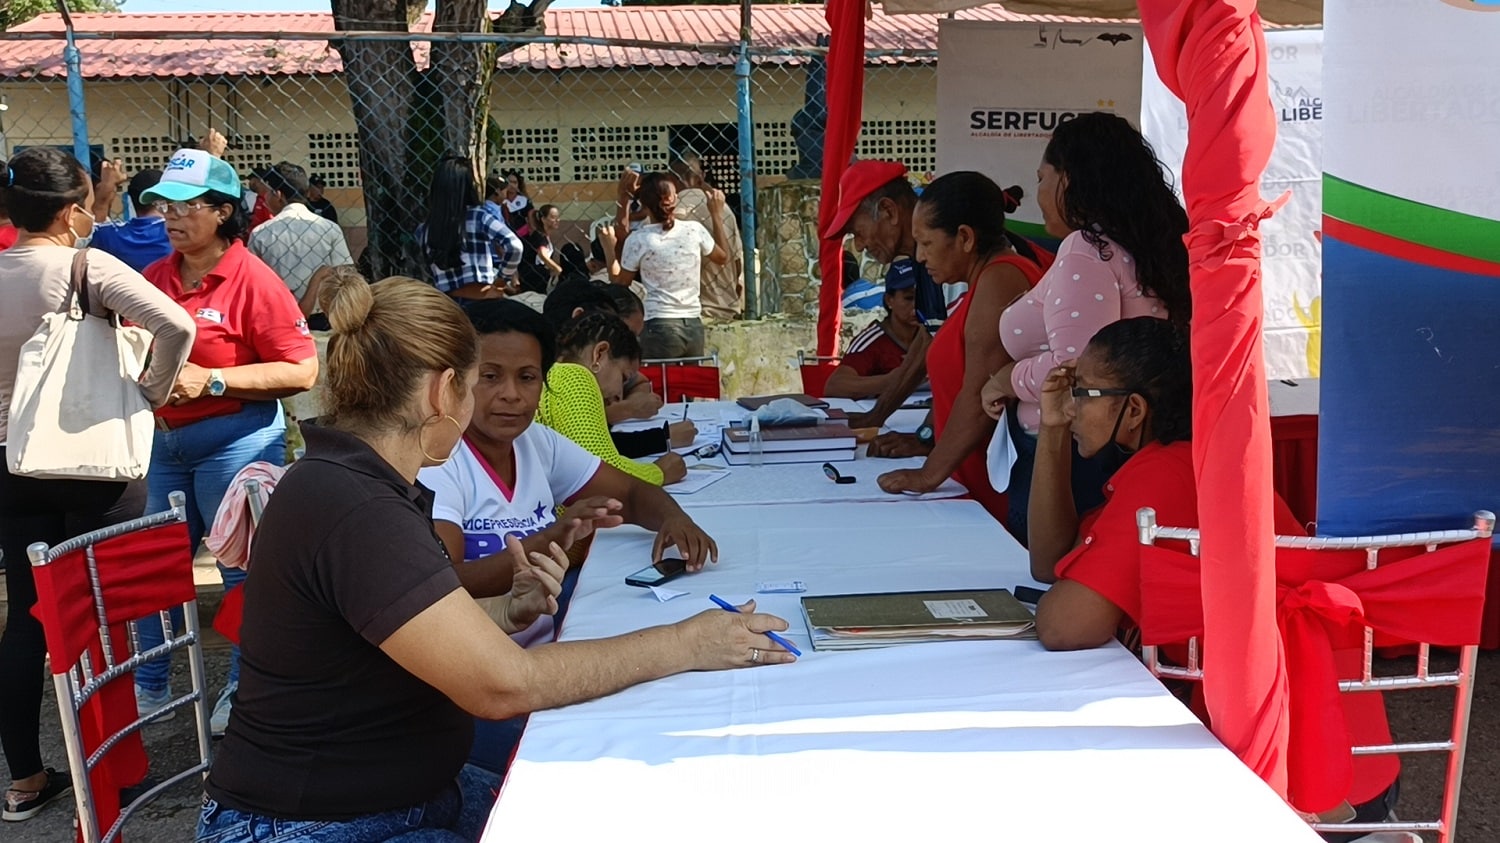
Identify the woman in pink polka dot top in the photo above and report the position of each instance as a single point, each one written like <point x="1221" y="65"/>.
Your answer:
<point x="1102" y="191"/>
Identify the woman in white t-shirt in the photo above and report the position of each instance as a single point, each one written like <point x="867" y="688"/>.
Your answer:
<point x="667" y="254"/>
<point x="508" y="476"/>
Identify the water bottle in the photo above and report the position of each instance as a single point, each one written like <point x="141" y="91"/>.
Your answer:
<point x="757" y="445"/>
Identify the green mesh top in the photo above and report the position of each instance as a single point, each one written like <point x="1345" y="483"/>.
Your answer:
<point x="573" y="406"/>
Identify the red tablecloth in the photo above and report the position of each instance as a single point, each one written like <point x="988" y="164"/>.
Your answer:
<point x="1294" y="459"/>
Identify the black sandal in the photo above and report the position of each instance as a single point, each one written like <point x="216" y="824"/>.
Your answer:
<point x="25" y="804"/>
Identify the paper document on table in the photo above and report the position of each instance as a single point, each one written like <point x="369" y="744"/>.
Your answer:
<point x="697" y="480"/>
<point x="1001" y="455"/>
<point x="954" y="609"/>
<point x="664" y="594"/>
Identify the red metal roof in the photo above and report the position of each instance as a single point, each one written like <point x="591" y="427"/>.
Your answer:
<point x="134" y="52"/>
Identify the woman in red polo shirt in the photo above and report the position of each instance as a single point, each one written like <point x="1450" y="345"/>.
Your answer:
<point x="1131" y="394"/>
<point x="252" y="349"/>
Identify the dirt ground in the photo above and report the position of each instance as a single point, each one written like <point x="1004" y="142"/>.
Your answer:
<point x="1421" y="715"/>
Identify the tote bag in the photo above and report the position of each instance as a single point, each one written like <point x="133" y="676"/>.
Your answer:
<point x="78" y="412"/>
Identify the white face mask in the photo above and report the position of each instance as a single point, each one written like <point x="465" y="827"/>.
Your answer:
<point x="82" y="240"/>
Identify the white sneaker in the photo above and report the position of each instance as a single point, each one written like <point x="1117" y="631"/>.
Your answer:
<point x="220" y="720"/>
<point x="147" y="702"/>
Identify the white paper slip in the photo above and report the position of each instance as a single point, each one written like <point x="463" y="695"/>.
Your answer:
<point x="663" y="593"/>
<point x="954" y="609"/>
<point x="781" y="587"/>
<point x="696" y="480"/>
<point x="1001" y="455"/>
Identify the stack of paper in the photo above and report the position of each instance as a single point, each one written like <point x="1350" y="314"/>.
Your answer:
<point x="862" y="621"/>
<point x="825" y="442"/>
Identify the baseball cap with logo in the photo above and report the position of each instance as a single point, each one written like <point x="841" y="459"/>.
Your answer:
<point x="190" y="174"/>
<point x="858" y="182"/>
<point x="901" y="276"/>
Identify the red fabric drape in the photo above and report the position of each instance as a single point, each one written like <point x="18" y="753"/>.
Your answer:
<point x="139" y="574"/>
<point x="1324" y="599"/>
<point x="845" y="94"/>
<point x="1212" y="54"/>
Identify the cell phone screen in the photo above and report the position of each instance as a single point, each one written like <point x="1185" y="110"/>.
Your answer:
<point x="663" y="571"/>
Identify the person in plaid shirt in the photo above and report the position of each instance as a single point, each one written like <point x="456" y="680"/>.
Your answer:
<point x="471" y="253"/>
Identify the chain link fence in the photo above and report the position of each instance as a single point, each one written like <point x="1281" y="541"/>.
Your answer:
<point x="370" y="115"/>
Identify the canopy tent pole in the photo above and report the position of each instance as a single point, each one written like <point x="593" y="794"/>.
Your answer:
<point x="844" y="91"/>
<point x="1212" y="54"/>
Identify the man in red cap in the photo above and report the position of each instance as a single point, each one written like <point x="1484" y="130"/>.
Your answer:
<point x="875" y="205"/>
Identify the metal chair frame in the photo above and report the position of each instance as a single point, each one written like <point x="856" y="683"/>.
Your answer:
<point x="1461" y="679"/>
<point x="81" y="682"/>
<point x="807" y="360"/>
<point x="666" y="364"/>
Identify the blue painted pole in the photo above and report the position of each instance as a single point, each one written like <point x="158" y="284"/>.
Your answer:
<point x="747" y="164"/>
<point x="74" y="62"/>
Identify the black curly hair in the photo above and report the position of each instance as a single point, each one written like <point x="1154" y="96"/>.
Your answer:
<point x="504" y="316"/>
<point x="1151" y="356"/>
<point x="596" y="327"/>
<point x="1116" y="189"/>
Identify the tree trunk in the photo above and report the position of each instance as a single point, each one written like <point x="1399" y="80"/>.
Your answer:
<point x="461" y="81"/>
<point x="381" y="76"/>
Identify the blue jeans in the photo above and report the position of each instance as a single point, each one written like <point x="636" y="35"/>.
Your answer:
<point x="458" y="815"/>
<point x="200" y="460"/>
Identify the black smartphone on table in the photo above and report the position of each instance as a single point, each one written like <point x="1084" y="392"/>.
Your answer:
<point x="662" y="572"/>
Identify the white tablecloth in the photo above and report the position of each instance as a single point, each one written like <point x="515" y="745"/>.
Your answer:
<point x="980" y="740"/>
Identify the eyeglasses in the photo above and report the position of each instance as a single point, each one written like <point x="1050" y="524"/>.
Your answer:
<point x="1093" y="392"/>
<point x="178" y="209"/>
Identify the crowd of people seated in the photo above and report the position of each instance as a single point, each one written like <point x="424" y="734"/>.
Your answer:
<point x="407" y="578"/>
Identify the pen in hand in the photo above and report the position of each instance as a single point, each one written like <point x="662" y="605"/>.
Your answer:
<point x="729" y="607"/>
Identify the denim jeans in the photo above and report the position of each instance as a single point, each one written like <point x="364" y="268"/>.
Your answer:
<point x="200" y="460"/>
<point x="456" y="816"/>
<point x="667" y="338"/>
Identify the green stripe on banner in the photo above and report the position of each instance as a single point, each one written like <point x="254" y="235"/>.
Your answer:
<point x="1029" y="230"/>
<point x="1426" y="225"/>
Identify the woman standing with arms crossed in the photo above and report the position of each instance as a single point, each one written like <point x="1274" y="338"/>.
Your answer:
<point x="48" y="193"/>
<point x="1103" y="192"/>
<point x="667" y="254"/>
<point x="253" y="348"/>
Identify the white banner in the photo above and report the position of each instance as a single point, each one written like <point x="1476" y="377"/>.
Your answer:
<point x="1003" y="88"/>
<point x="1293" y="262"/>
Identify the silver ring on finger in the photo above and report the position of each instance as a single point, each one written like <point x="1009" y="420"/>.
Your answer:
<point x="754" y="656"/>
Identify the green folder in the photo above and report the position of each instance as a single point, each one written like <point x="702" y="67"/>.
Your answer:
<point x="858" y="621"/>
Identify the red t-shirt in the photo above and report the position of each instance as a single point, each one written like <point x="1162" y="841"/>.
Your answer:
<point x="873" y="352"/>
<point x="260" y="213"/>
<point x="244" y="314"/>
<point x="1108" y="562"/>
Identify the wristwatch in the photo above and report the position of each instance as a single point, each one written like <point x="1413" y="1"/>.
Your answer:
<point x="925" y="434"/>
<point x="216" y="384"/>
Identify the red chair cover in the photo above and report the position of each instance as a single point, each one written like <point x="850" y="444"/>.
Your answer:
<point x="140" y="574"/>
<point x="230" y="615"/>
<point x="1324" y="600"/>
<point x="815" y="377"/>
<point x="700" y="383"/>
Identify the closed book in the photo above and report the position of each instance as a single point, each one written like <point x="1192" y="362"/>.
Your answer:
<point x="784" y="457"/>
<point x="859" y="621"/>
<point x="755" y="402"/>
<point x="826" y="436"/>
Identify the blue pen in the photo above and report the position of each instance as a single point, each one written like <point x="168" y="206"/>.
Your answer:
<point x="729" y="607"/>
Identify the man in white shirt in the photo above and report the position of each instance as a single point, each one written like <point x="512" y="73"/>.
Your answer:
<point x="297" y="242"/>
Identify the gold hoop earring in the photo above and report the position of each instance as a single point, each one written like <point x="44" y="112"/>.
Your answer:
<point x="429" y="457"/>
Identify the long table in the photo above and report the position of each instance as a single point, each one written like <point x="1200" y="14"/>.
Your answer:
<point x="996" y="740"/>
